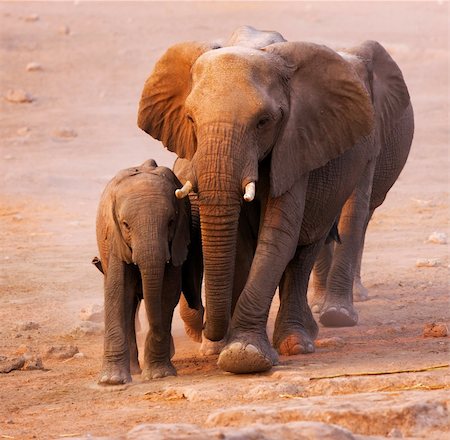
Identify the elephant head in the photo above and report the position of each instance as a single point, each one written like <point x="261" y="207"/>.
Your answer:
<point x="298" y="105"/>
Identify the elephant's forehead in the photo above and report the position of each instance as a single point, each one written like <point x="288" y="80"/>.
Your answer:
<point x="233" y="59"/>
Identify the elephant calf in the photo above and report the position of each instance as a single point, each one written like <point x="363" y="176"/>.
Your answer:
<point x="143" y="237"/>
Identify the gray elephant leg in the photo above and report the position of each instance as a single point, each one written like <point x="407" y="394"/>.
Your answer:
<point x="360" y="292"/>
<point x="157" y="352"/>
<point x="338" y="310"/>
<point x="134" y="352"/>
<point x="249" y="349"/>
<point x="295" y="327"/>
<point x="321" y="270"/>
<point x="118" y="292"/>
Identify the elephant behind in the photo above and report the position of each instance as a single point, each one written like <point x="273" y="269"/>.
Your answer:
<point x="143" y="237"/>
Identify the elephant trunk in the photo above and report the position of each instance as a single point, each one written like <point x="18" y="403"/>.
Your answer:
<point x="219" y="168"/>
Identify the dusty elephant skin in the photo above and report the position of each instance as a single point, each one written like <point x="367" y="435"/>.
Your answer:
<point x="305" y="133"/>
<point x="337" y="271"/>
<point x="143" y="237"/>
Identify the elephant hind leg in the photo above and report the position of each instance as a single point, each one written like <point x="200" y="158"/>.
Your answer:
<point x="295" y="327"/>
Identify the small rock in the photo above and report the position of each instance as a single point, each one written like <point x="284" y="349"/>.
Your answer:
<point x="94" y="313"/>
<point x="18" y="96"/>
<point x="64" y="30"/>
<point x="27" y="325"/>
<point x="87" y="328"/>
<point x="438" y="238"/>
<point x="33" y="67"/>
<point x="334" y="341"/>
<point x="33" y="363"/>
<point x="65" y="133"/>
<point x="428" y="262"/>
<point x="31" y="18"/>
<point x="79" y="355"/>
<point x="61" y="351"/>
<point x="435" y="330"/>
<point x="9" y="364"/>
<point x="23" y="131"/>
<point x="17" y="218"/>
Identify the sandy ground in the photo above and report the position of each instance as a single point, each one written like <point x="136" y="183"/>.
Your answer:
<point x="95" y="58"/>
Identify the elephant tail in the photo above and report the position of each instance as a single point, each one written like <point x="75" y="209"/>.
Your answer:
<point x="98" y="264"/>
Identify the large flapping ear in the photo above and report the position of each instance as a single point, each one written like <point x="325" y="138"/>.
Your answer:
<point x="330" y="111"/>
<point x="161" y="111"/>
<point x="118" y="243"/>
<point x="389" y="92"/>
<point x="181" y="238"/>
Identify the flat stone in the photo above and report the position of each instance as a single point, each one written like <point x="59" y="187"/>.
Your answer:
<point x="414" y="413"/>
<point x="332" y="342"/>
<point x="428" y="262"/>
<point x="87" y="328"/>
<point x="438" y="238"/>
<point x="33" y="67"/>
<point x="18" y="96"/>
<point x="94" y="313"/>
<point x="10" y="364"/>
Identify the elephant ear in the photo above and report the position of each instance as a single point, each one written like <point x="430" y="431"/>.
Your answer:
<point x="181" y="238"/>
<point x="162" y="111"/>
<point x="330" y="111"/>
<point x="389" y="92"/>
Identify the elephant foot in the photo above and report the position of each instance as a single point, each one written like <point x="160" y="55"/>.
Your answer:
<point x="338" y="315"/>
<point x="158" y="370"/>
<point x="247" y="355"/>
<point x="211" y="348"/>
<point x="360" y="292"/>
<point x="114" y="374"/>
<point x="298" y="343"/>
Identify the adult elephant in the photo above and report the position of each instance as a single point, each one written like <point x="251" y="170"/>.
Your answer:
<point x="296" y="119"/>
<point x="337" y="271"/>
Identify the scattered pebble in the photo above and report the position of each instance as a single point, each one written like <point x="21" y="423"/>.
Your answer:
<point x="395" y="433"/>
<point x="79" y="355"/>
<point x="423" y="203"/>
<point x="32" y="363"/>
<point x="428" y="262"/>
<point x="61" y="351"/>
<point x="18" y="96"/>
<point x="64" y="30"/>
<point x="31" y="18"/>
<point x="28" y="325"/>
<point x="438" y="238"/>
<point x="17" y="217"/>
<point x="435" y="330"/>
<point x="9" y="364"/>
<point x="92" y="313"/>
<point x="64" y="133"/>
<point x="334" y="341"/>
<point x="33" y="67"/>
<point x="87" y="328"/>
<point x="23" y="131"/>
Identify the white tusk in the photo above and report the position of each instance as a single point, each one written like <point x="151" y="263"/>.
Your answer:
<point x="183" y="192"/>
<point x="250" y="190"/>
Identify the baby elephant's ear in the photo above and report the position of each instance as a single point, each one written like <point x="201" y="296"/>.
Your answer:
<point x="162" y="111"/>
<point x="181" y="238"/>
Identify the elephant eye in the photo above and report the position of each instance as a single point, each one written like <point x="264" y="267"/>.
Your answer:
<point x="125" y="224"/>
<point x="190" y="119"/>
<point x="262" y="122"/>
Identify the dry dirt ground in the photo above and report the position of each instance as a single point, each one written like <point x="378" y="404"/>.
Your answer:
<point x="57" y="153"/>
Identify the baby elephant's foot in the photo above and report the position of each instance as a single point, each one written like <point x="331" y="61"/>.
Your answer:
<point x="297" y="342"/>
<point x="158" y="370"/>
<point x="114" y="374"/>
<point x="338" y="315"/>
<point x="211" y="348"/>
<point x="247" y="355"/>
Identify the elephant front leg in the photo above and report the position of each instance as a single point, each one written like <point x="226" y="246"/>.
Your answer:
<point x="338" y="309"/>
<point x="159" y="343"/>
<point x="116" y="357"/>
<point x="248" y="349"/>
<point x="295" y="327"/>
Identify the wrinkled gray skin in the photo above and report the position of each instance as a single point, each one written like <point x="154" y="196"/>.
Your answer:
<point x="297" y="119"/>
<point x="143" y="237"/>
<point x="337" y="271"/>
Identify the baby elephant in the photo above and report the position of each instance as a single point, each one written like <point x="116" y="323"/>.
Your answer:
<point x="143" y="238"/>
